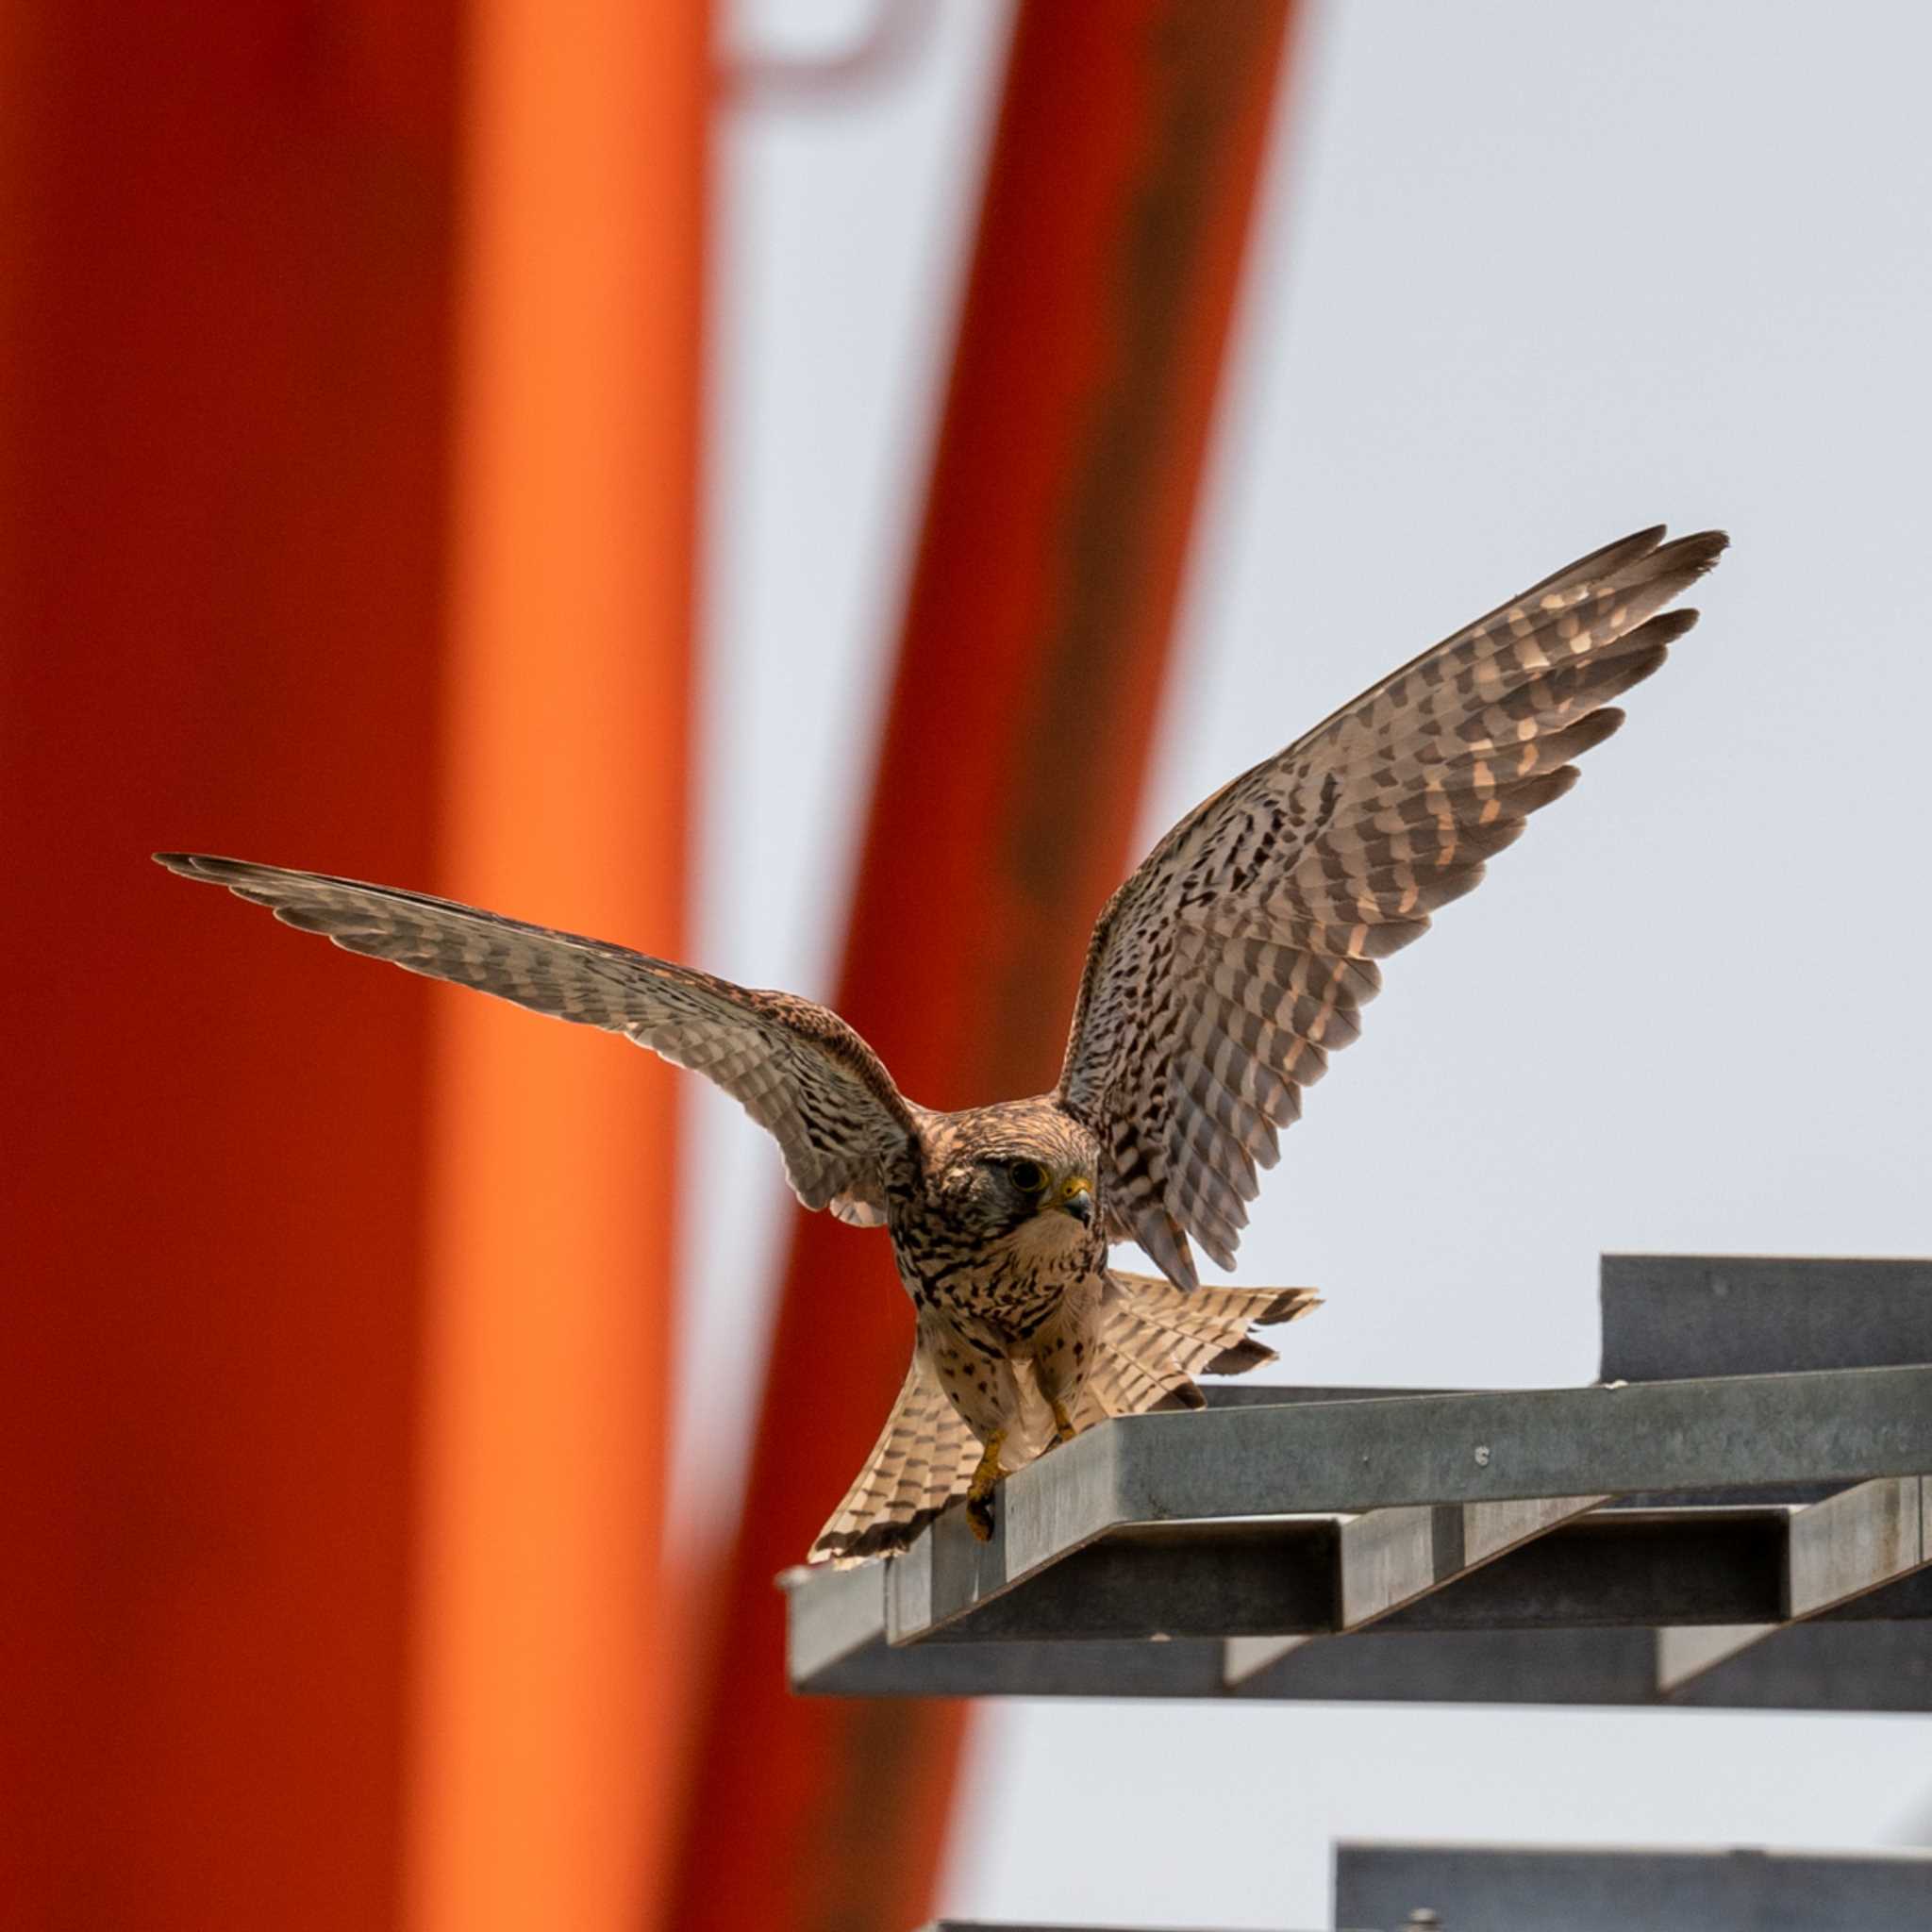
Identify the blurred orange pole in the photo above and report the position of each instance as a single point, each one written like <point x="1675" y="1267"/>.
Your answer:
<point x="1115" y="214"/>
<point x="331" y="1406"/>
<point x="224" y="318"/>
<point x="542" y="1728"/>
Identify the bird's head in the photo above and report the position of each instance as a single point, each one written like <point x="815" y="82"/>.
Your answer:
<point x="1030" y="1178"/>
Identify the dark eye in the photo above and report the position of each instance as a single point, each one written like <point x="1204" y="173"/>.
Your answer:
<point x="1027" y="1176"/>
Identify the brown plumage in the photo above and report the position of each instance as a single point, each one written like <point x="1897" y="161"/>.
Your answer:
<point x="1220" y="978"/>
<point x="1247" y="943"/>
<point x="1153" y="1340"/>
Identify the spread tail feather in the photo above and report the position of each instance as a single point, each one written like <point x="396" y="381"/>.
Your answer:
<point x="925" y="1456"/>
<point x="1153" y="1340"/>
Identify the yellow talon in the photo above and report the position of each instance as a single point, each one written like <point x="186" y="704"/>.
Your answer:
<point x="979" y="1490"/>
<point x="1062" y="1423"/>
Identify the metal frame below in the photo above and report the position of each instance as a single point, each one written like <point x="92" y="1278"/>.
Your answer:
<point x="1512" y="1888"/>
<point x="1755" y="1540"/>
<point x="1402" y="1888"/>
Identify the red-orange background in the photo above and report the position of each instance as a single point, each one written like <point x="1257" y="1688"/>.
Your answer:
<point x="350" y="410"/>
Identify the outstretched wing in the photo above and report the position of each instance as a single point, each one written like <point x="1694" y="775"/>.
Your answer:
<point x="1236" y="959"/>
<point x="796" y="1068"/>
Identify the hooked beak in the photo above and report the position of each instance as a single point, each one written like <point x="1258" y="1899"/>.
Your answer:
<point x="1076" y="1198"/>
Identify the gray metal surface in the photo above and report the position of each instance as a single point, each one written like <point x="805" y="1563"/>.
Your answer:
<point x="1344" y="1457"/>
<point x="1294" y="1579"/>
<point x="1391" y="1887"/>
<point x="1666" y="1317"/>
<point x="1823" y="1666"/>
<point x="1539" y="1545"/>
<point x="1009" y="1926"/>
<point x="1392" y="1558"/>
<point x="1482" y="1888"/>
<point x="1851" y="1551"/>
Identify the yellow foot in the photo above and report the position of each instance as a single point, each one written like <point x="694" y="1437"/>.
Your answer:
<point x="1062" y="1423"/>
<point x="979" y="1490"/>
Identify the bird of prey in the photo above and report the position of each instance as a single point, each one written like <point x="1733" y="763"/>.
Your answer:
<point x="1219" y="979"/>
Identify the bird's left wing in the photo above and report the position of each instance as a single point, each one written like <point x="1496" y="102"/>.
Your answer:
<point x="796" y="1067"/>
<point x="1236" y="959"/>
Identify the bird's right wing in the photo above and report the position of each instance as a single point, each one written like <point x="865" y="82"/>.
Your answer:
<point x="796" y="1067"/>
<point x="1229" y="967"/>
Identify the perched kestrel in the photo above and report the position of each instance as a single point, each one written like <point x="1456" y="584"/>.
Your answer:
<point x="1220" y="978"/>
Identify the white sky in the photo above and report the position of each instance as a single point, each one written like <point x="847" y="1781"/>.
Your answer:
<point x="1526" y="278"/>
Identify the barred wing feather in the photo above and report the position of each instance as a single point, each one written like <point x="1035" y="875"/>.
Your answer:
<point x="796" y="1067"/>
<point x="1227" y="968"/>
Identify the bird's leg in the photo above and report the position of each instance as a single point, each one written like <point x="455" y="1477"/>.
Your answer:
<point x="1062" y="1350"/>
<point x="979" y="1490"/>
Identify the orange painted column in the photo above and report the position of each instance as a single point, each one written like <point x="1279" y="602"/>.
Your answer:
<point x="348" y="370"/>
<point x="540" y="1746"/>
<point x="224" y="320"/>
<point x="1116" y="208"/>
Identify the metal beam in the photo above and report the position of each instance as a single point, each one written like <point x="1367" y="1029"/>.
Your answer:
<point x="1837" y="1553"/>
<point x="1845" y="1661"/>
<point x="1853" y="1543"/>
<point x="1568" y="1618"/>
<point x="1327" y="1458"/>
<point x="1276" y="1580"/>
<point x="1390" y="1558"/>
<point x="1008" y="1926"/>
<point x="1259" y="1581"/>
<point x="1512" y="1889"/>
<point x="1666" y="1317"/>
<point x="1519" y="1889"/>
<point x="1821" y="1665"/>
<point x="1266" y="1395"/>
<point x="1532" y="1546"/>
